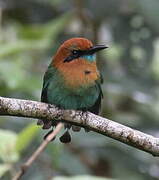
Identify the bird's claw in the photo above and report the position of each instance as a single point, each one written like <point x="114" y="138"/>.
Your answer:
<point x="47" y="124"/>
<point x="40" y="122"/>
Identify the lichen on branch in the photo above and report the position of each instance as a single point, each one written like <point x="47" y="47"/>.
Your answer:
<point x="38" y="110"/>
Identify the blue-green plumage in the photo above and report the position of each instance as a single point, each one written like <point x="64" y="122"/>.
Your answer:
<point x="56" y="92"/>
<point x="90" y="58"/>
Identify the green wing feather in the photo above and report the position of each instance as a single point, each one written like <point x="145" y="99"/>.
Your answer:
<point x="47" y="77"/>
<point x="97" y="106"/>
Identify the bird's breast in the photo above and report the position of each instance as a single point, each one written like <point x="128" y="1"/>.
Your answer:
<point x="79" y="73"/>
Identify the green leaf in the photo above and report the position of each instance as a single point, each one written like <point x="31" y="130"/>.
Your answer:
<point x="16" y="74"/>
<point x="26" y="136"/>
<point x="4" y="168"/>
<point x="12" y="48"/>
<point x="45" y="31"/>
<point x="35" y="37"/>
<point x="7" y="146"/>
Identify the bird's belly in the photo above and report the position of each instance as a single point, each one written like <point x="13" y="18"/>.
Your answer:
<point x="67" y="99"/>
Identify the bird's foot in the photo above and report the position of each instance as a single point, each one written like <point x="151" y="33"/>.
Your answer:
<point x="47" y="124"/>
<point x="40" y="122"/>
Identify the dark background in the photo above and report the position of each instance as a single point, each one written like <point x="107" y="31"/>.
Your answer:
<point x="30" y="33"/>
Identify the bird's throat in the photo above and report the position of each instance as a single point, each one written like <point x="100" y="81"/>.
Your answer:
<point x="89" y="58"/>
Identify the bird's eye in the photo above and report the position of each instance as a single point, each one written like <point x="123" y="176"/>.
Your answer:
<point x="74" y="52"/>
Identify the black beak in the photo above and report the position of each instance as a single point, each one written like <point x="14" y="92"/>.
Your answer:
<point x="96" y="48"/>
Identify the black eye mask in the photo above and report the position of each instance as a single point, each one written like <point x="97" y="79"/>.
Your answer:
<point x="78" y="53"/>
<point x="75" y="54"/>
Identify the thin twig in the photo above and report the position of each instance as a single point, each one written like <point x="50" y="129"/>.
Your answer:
<point x="34" y="156"/>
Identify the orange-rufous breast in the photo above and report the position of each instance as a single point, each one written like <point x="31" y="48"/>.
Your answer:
<point x="79" y="73"/>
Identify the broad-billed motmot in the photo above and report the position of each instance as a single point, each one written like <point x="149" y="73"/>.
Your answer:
<point x="72" y="81"/>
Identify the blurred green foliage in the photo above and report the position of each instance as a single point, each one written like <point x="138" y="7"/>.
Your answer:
<point x="30" y="33"/>
<point x="81" y="178"/>
<point x="25" y="137"/>
<point x="12" y="145"/>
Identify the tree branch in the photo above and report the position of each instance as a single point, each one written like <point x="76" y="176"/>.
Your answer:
<point x="33" y="109"/>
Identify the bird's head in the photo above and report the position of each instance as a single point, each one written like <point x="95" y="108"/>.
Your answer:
<point x="76" y="48"/>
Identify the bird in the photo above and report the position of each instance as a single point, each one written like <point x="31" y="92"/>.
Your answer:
<point x="73" y="81"/>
